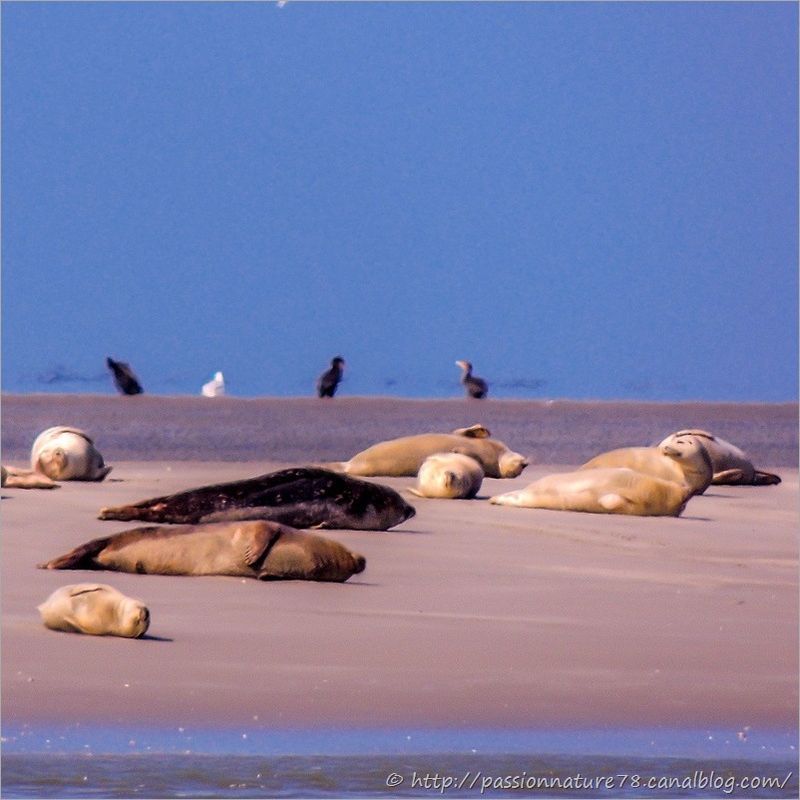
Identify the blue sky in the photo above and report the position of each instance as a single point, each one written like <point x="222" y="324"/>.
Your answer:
<point x="592" y="200"/>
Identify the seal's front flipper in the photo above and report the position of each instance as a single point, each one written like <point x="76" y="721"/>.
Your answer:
<point x="259" y="539"/>
<point x="728" y="477"/>
<point x="612" y="501"/>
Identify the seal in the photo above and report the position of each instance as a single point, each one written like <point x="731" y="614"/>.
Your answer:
<point x="18" y="478"/>
<point x="612" y="490"/>
<point x="303" y="497"/>
<point x="96" y="609"/>
<point x="449" y="475"/>
<point x="67" y="454"/>
<point x="403" y="457"/>
<point x="329" y="380"/>
<point x="731" y="465"/>
<point x="684" y="459"/>
<point x="474" y="386"/>
<point x="124" y="378"/>
<point x="253" y="549"/>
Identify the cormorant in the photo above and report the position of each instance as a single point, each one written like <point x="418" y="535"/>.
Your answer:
<point x="476" y="387"/>
<point x="124" y="379"/>
<point x="329" y="380"/>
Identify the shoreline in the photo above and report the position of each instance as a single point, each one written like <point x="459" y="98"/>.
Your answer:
<point x="310" y="430"/>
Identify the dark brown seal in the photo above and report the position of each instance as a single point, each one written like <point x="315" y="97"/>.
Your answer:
<point x="303" y="497"/>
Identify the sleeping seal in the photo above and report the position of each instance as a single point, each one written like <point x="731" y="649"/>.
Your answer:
<point x="96" y="609"/>
<point x="683" y="460"/>
<point x="67" y="454"/>
<point x="613" y="490"/>
<point x="255" y="549"/>
<point x="404" y="456"/>
<point x="449" y="475"/>
<point x="730" y="464"/>
<point x="303" y="497"/>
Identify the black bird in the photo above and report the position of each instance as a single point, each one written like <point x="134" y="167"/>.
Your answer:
<point x="124" y="379"/>
<point x="476" y="387"/>
<point x="329" y="380"/>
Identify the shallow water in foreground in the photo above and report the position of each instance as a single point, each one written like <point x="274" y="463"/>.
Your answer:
<point x="82" y="761"/>
<point x="201" y="776"/>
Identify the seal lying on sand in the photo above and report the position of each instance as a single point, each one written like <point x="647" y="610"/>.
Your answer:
<point x="730" y="465"/>
<point x="256" y="549"/>
<point x="95" y="608"/>
<point x="449" y="475"/>
<point x="404" y="456"/>
<point x="18" y="478"/>
<point x="67" y="454"/>
<point x="613" y="490"/>
<point x="303" y="497"/>
<point x="683" y="460"/>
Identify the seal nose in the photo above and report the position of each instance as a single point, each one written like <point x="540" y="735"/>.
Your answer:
<point x="410" y="512"/>
<point x="361" y="563"/>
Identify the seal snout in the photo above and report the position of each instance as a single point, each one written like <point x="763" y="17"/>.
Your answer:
<point x="361" y="564"/>
<point x="410" y="511"/>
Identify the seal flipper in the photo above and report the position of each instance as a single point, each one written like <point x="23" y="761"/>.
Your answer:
<point x="82" y="557"/>
<point x="613" y="501"/>
<point x="765" y="478"/>
<point x="473" y="432"/>
<point x="261" y="538"/>
<point x="730" y="477"/>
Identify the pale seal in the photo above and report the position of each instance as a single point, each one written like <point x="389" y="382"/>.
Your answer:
<point x="730" y="464"/>
<point x="450" y="476"/>
<point x="613" y="490"/>
<point x="255" y="549"/>
<point x="303" y="497"/>
<point x="67" y="454"/>
<point x="683" y="460"/>
<point x="96" y="609"/>
<point x="404" y="456"/>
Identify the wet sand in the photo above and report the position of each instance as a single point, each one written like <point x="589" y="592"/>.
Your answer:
<point x="468" y="614"/>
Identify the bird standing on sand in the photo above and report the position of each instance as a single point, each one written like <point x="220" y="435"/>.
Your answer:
<point x="329" y="380"/>
<point x="215" y="387"/>
<point x="124" y="379"/>
<point x="476" y="387"/>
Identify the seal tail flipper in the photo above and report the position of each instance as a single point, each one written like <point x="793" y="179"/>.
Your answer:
<point x="413" y="490"/>
<point x="80" y="558"/>
<point x="765" y="478"/>
<point x="333" y="466"/>
<point x="141" y="512"/>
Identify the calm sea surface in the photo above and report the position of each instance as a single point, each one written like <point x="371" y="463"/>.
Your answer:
<point x="157" y="776"/>
<point x="76" y="761"/>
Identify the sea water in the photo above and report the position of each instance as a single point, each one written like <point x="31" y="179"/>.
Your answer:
<point x="79" y="761"/>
